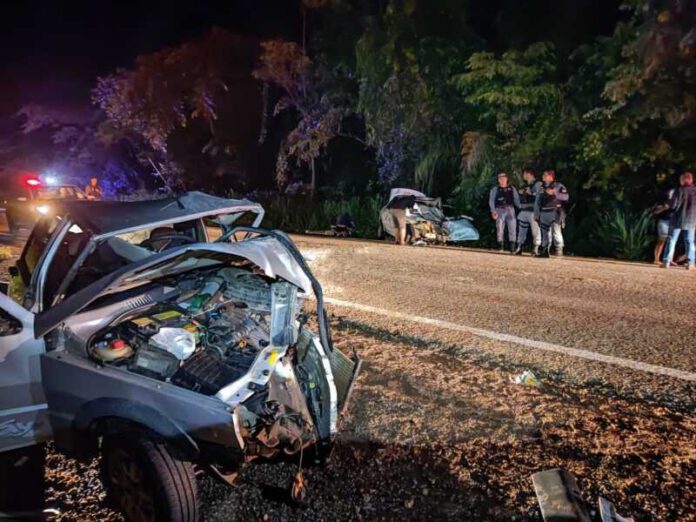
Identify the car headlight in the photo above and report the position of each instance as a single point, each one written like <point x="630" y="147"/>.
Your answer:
<point x="43" y="209"/>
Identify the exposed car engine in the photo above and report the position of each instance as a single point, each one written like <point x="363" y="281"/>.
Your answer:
<point x="233" y="334"/>
<point x="206" y="335"/>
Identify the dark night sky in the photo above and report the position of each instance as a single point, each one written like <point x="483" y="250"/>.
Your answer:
<point x="55" y="49"/>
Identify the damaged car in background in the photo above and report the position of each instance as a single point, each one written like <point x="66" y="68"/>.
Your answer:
<point x="426" y="222"/>
<point x="170" y="336"/>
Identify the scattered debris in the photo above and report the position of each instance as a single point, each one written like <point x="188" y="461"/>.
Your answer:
<point x="559" y="496"/>
<point x="607" y="512"/>
<point x="299" y="488"/>
<point x="526" y="378"/>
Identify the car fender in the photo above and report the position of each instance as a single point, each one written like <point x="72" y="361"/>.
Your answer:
<point x="107" y="415"/>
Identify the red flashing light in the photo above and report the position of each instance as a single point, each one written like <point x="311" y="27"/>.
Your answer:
<point x="33" y="182"/>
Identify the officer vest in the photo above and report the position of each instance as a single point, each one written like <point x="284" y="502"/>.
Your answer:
<point x="503" y="197"/>
<point x="527" y="194"/>
<point x="548" y="201"/>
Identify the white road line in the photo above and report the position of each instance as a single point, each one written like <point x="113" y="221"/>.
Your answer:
<point x="539" y="345"/>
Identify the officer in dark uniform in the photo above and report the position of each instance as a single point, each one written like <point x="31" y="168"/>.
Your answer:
<point x="548" y="209"/>
<point x="526" y="219"/>
<point x="503" y="200"/>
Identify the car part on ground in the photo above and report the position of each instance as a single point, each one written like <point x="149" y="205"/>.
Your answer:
<point x="559" y="496"/>
<point x="426" y="221"/>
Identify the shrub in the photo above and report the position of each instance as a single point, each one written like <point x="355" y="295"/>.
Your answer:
<point x="300" y="214"/>
<point x="627" y="235"/>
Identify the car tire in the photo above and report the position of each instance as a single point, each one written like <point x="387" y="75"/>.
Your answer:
<point x="147" y="480"/>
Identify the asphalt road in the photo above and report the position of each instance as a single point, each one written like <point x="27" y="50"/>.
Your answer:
<point x="626" y="325"/>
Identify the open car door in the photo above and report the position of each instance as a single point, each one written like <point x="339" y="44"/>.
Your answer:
<point x="23" y="411"/>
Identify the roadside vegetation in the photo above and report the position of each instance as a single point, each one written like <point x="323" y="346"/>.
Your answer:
<point x="437" y="95"/>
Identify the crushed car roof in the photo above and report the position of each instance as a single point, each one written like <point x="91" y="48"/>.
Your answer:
<point x="265" y="252"/>
<point x="397" y="192"/>
<point x="111" y="216"/>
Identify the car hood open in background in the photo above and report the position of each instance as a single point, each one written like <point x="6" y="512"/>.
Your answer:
<point x="265" y="252"/>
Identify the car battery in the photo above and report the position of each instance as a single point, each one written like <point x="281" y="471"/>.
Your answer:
<point x="153" y="362"/>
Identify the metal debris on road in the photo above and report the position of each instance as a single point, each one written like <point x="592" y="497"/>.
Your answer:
<point x="559" y="496"/>
<point x="607" y="512"/>
<point x="526" y="378"/>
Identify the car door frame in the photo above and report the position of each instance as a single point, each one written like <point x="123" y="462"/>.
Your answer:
<point x="23" y="409"/>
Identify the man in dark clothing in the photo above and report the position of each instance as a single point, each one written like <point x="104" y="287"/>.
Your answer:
<point x="397" y="207"/>
<point x="548" y="209"/>
<point x="503" y="200"/>
<point x="525" y="218"/>
<point x="683" y="219"/>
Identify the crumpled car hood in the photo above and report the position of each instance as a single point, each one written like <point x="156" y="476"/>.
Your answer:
<point x="267" y="253"/>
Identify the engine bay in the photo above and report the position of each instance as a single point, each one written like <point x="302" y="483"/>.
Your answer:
<point x="203" y="336"/>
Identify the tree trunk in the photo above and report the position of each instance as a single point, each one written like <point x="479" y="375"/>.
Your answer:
<point x="313" y="185"/>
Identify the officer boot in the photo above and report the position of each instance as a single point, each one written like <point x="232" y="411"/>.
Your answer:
<point x="501" y="246"/>
<point x="535" y="251"/>
<point x="545" y="252"/>
<point x="513" y="248"/>
<point x="559" y="250"/>
<point x="518" y="250"/>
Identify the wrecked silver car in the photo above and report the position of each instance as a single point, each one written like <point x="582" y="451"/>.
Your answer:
<point x="168" y="336"/>
<point x="426" y="221"/>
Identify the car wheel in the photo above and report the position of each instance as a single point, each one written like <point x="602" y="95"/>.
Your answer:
<point x="147" y="481"/>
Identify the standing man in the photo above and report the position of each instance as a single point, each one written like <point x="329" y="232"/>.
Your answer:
<point x="397" y="208"/>
<point x="548" y="209"/>
<point x="503" y="200"/>
<point x="683" y="219"/>
<point x="93" y="190"/>
<point x="528" y="193"/>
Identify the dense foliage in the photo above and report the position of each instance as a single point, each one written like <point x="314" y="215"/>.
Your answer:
<point x="440" y="95"/>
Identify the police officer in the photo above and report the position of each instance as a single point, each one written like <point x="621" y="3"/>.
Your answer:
<point x="525" y="219"/>
<point x="548" y="209"/>
<point x="503" y="200"/>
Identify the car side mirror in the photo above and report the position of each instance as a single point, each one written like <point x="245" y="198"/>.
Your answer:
<point x="14" y="271"/>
